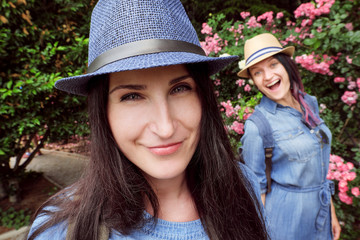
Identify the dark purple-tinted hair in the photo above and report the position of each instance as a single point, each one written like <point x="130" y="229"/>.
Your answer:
<point x="297" y="87"/>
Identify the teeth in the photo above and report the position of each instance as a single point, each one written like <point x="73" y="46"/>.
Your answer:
<point x="273" y="83"/>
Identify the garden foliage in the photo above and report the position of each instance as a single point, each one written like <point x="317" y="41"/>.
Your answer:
<point x="326" y="35"/>
<point x="41" y="42"/>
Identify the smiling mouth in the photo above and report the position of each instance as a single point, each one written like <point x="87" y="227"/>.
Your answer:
<point x="274" y="84"/>
<point x="165" y="149"/>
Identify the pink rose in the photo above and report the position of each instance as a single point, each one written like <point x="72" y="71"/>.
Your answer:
<point x="349" y="26"/>
<point x="339" y="79"/>
<point x="247" y="88"/>
<point x="355" y="191"/>
<point x="349" y="97"/>
<point x="279" y="15"/>
<point x="348" y="59"/>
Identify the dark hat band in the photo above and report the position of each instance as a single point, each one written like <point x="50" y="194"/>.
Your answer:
<point x="142" y="47"/>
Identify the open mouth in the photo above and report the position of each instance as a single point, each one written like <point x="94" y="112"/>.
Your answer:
<point x="274" y="85"/>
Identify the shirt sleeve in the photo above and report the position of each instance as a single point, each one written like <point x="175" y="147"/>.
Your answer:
<point x="253" y="153"/>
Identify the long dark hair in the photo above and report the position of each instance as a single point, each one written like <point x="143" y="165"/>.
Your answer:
<point x="112" y="190"/>
<point x="297" y="87"/>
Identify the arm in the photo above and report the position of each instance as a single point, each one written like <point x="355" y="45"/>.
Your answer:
<point x="336" y="229"/>
<point x="263" y="197"/>
<point x="253" y="153"/>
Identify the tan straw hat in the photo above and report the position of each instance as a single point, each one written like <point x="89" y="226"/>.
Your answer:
<point x="259" y="48"/>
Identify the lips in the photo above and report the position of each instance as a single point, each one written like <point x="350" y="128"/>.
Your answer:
<point x="165" y="149"/>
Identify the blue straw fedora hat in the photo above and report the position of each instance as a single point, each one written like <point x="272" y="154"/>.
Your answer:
<point x="137" y="34"/>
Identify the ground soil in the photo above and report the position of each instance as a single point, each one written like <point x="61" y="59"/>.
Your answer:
<point x="34" y="192"/>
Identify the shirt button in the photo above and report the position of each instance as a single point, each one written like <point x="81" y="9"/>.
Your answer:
<point x="311" y="131"/>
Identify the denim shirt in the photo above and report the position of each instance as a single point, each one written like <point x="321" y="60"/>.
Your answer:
<point x="298" y="207"/>
<point x="164" y="230"/>
<point x="300" y="158"/>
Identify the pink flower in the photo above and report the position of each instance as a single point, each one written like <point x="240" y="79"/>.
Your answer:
<point x="350" y="165"/>
<point x="343" y="184"/>
<point x="279" y="15"/>
<point x="310" y="62"/>
<point x="355" y="191"/>
<point x="238" y="127"/>
<point x="358" y="83"/>
<point x="322" y="107"/>
<point x="252" y="23"/>
<point x="306" y="22"/>
<point x="206" y="29"/>
<point x="351" y="176"/>
<point x="229" y="110"/>
<point x="349" y="60"/>
<point x="349" y="26"/>
<point x="343" y="189"/>
<point x="349" y="97"/>
<point x="268" y="16"/>
<point x="244" y="14"/>
<point x="345" y="198"/>
<point x="309" y="10"/>
<point x="339" y="79"/>
<point x="240" y="82"/>
<point x="247" y="88"/>
<point x="212" y="44"/>
<point x="332" y="166"/>
<point x="351" y="85"/>
<point x="217" y="82"/>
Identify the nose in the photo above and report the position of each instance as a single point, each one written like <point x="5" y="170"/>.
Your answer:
<point x="163" y="123"/>
<point x="268" y="74"/>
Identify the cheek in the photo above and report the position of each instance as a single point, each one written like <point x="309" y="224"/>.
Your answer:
<point x="189" y="113"/>
<point x="124" y="124"/>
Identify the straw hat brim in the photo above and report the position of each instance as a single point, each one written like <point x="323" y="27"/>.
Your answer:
<point x="244" y="72"/>
<point x="78" y="84"/>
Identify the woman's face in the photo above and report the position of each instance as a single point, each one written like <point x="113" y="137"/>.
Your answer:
<point x="154" y="115"/>
<point x="272" y="80"/>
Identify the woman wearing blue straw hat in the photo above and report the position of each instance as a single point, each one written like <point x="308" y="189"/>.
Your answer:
<point x="161" y="166"/>
<point x="291" y="155"/>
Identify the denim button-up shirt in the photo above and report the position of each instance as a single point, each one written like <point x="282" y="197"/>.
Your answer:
<point x="300" y="193"/>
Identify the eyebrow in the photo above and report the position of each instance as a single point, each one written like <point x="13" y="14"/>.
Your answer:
<point x="179" y="79"/>
<point x="143" y="87"/>
<point x="128" y="86"/>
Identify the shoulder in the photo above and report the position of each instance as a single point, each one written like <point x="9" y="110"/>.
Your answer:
<point x="310" y="99"/>
<point x="56" y="232"/>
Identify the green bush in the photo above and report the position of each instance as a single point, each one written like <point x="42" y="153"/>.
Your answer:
<point x="15" y="219"/>
<point x="41" y="42"/>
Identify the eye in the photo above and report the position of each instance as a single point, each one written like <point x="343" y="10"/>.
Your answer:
<point x="130" y="97"/>
<point x="256" y="73"/>
<point x="274" y="63"/>
<point x="181" y="88"/>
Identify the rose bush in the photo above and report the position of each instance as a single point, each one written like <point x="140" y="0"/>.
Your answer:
<point x="326" y="36"/>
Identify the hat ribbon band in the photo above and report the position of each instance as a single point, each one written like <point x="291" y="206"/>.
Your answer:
<point x="142" y="47"/>
<point x="261" y="52"/>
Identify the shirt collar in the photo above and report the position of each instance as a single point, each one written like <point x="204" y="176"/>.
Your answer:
<point x="271" y="106"/>
<point x="268" y="104"/>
